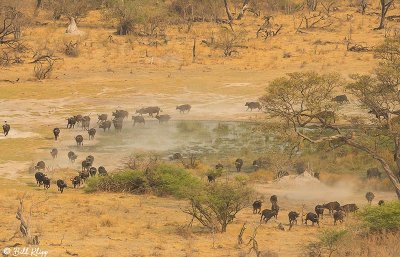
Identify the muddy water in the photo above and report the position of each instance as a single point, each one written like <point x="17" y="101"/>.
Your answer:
<point x="205" y="138"/>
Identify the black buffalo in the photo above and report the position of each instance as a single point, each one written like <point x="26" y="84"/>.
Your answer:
<point x="56" y="133"/>
<point x="138" y="119"/>
<point x="71" y="122"/>
<point x="163" y="118"/>
<point x="293" y="217"/>
<point x="370" y="196"/>
<point x="76" y="181"/>
<point x="238" y="164"/>
<point x="102" y="171"/>
<point x="92" y="133"/>
<point x="105" y="125"/>
<point x="79" y="140"/>
<point x="319" y="210"/>
<point x="341" y="99"/>
<point x="54" y="153"/>
<point x="184" y="107"/>
<point x="149" y="110"/>
<point x="312" y="217"/>
<point x="332" y="206"/>
<point x="40" y="166"/>
<point x="253" y="105"/>
<point x="72" y="156"/>
<point x="257" y="206"/>
<point x="352" y="207"/>
<point x="6" y="128"/>
<point x="338" y="216"/>
<point x="373" y="173"/>
<point x="102" y="117"/>
<point x="39" y="176"/>
<point x="61" y="185"/>
<point x="266" y="215"/>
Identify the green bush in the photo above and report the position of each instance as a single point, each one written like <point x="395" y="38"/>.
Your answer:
<point x="132" y="181"/>
<point x="170" y="180"/>
<point x="162" y="180"/>
<point x="378" y="218"/>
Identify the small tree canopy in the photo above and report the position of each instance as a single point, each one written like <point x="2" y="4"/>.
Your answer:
<point x="217" y="206"/>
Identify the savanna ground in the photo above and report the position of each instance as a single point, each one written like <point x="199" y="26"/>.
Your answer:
<point x="126" y="74"/>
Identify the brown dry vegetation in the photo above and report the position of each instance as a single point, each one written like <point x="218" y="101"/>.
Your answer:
<point x="125" y="72"/>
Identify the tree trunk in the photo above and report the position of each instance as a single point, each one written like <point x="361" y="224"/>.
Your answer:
<point x="385" y="8"/>
<point x="228" y="12"/>
<point x="38" y="5"/>
<point x="244" y="8"/>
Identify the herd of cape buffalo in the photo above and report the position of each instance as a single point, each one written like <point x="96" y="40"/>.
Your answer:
<point x="337" y="211"/>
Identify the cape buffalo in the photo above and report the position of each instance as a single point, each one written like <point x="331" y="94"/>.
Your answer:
<point x="105" y="125"/>
<point x="370" y="196"/>
<point x="56" y="133"/>
<point x="40" y="166"/>
<point x="338" y="216"/>
<point x="373" y="173"/>
<point x="61" y="185"/>
<point x="76" y="181"/>
<point x="163" y="118"/>
<point x="150" y="110"/>
<point x="39" y="176"/>
<point x="46" y="183"/>
<point x="331" y="206"/>
<point x="266" y="215"/>
<point x="6" y="128"/>
<point x="352" y="207"/>
<point x="184" y="107"/>
<point x="85" y="122"/>
<point x="118" y="123"/>
<point x="138" y="119"/>
<point x="79" y="140"/>
<point x="92" y="171"/>
<point x="312" y="217"/>
<point x="72" y="156"/>
<point x="54" y="153"/>
<point x="102" y="117"/>
<point x="319" y="210"/>
<point x="293" y="217"/>
<point x="257" y="206"/>
<point x="71" y="122"/>
<point x="92" y="133"/>
<point x="238" y="164"/>
<point x="120" y="114"/>
<point x="253" y="105"/>
<point x="102" y="171"/>
<point x="341" y="99"/>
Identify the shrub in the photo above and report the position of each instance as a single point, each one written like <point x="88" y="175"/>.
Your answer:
<point x="216" y="206"/>
<point x="170" y="180"/>
<point x="162" y="180"/>
<point x="329" y="241"/>
<point x="380" y="218"/>
<point x="131" y="181"/>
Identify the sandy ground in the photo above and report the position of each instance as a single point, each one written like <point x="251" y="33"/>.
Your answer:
<point x="108" y="76"/>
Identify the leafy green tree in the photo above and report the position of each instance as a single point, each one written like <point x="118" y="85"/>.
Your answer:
<point x="216" y="206"/>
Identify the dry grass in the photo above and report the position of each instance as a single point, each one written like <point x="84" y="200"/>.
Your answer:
<point x="110" y="74"/>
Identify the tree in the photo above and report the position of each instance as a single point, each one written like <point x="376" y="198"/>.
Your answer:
<point x="385" y="6"/>
<point x="138" y="16"/>
<point x="304" y="99"/>
<point x="217" y="206"/>
<point x="11" y="21"/>
<point x="363" y="5"/>
<point x="72" y="9"/>
<point x="229" y="41"/>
